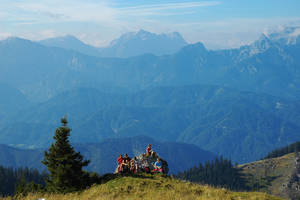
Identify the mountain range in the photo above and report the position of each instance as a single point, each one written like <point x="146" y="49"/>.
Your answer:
<point x="127" y="45"/>
<point x="240" y="103"/>
<point x="241" y="125"/>
<point x="41" y="72"/>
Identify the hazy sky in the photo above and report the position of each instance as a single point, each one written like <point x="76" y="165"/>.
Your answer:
<point x="218" y="24"/>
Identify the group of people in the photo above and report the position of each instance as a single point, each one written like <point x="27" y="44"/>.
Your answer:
<point x="128" y="165"/>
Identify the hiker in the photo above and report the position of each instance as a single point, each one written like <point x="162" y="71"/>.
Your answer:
<point x="139" y="164"/>
<point x="134" y="165"/>
<point x="126" y="158"/>
<point x="158" y="166"/>
<point x="149" y="150"/>
<point x="120" y="161"/>
<point x="145" y="165"/>
<point x="126" y="163"/>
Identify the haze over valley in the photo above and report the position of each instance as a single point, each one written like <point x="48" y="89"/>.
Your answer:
<point x="239" y="103"/>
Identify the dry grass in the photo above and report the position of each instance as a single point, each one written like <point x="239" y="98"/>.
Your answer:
<point x="150" y="187"/>
<point x="269" y="175"/>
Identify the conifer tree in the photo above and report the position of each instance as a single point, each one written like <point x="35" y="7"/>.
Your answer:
<point x="64" y="164"/>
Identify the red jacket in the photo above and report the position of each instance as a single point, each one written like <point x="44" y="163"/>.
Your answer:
<point x="120" y="160"/>
<point x="149" y="149"/>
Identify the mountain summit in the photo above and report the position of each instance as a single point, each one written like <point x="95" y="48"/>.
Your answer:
<point x="144" y="42"/>
<point x="286" y="36"/>
<point x="71" y="43"/>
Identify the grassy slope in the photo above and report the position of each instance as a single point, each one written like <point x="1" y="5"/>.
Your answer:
<point x="152" y="187"/>
<point x="270" y="175"/>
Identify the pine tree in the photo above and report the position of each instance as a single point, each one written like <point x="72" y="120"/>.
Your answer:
<point x="64" y="164"/>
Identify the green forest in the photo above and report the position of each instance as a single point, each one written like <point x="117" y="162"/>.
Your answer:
<point x="220" y="173"/>
<point x="294" y="147"/>
<point x="11" y="180"/>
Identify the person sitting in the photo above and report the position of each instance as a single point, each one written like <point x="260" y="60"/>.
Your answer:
<point x="139" y="166"/>
<point x="145" y="165"/>
<point x="120" y="161"/>
<point x="158" y="166"/>
<point x="126" y="158"/>
<point x="149" y="150"/>
<point x="134" y="165"/>
<point x="126" y="163"/>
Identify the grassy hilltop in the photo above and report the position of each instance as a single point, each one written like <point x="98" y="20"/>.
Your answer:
<point x="151" y="187"/>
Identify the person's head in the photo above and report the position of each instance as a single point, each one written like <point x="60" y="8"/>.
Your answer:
<point x="149" y="145"/>
<point x="126" y="156"/>
<point x="134" y="158"/>
<point x="158" y="159"/>
<point x="120" y="155"/>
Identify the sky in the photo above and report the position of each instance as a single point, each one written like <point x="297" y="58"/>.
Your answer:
<point x="216" y="23"/>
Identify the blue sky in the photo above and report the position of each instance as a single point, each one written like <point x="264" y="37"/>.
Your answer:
<point x="216" y="23"/>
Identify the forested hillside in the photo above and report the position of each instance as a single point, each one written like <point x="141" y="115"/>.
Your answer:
<point x="10" y="178"/>
<point x="294" y="147"/>
<point x="218" y="119"/>
<point x="219" y="173"/>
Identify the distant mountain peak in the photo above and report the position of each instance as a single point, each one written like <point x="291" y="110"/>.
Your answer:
<point x="143" y="32"/>
<point x="144" y="42"/>
<point x="70" y="42"/>
<point x="197" y="47"/>
<point x="288" y="30"/>
<point x="193" y="51"/>
<point x="278" y="38"/>
<point x="144" y="35"/>
<point x="14" y="39"/>
<point x="286" y="35"/>
<point x="17" y="41"/>
<point x="175" y="35"/>
<point x="262" y="43"/>
<point x="263" y="37"/>
<point x="259" y="46"/>
<point x="65" y="38"/>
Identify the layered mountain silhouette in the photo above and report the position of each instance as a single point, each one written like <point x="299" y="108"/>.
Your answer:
<point x="127" y="45"/>
<point x="41" y="72"/>
<point x="103" y="155"/>
<point x="240" y="125"/>
<point x="241" y="103"/>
